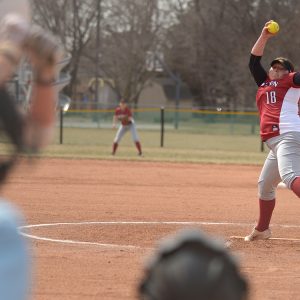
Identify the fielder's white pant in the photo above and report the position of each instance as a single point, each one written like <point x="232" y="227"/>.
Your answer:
<point x="123" y="129"/>
<point x="281" y="164"/>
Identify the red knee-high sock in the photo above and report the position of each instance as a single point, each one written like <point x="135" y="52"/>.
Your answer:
<point x="139" y="147"/>
<point x="266" y="208"/>
<point x="295" y="186"/>
<point x="115" y="146"/>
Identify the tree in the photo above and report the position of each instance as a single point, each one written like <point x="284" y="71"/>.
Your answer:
<point x="72" y="22"/>
<point x="129" y="31"/>
<point x="211" y="42"/>
<point x="203" y="48"/>
<point x="207" y="42"/>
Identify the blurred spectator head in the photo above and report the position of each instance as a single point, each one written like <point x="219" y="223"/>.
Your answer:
<point x="192" y="266"/>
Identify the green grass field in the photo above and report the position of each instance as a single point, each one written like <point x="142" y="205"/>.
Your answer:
<point x="179" y="146"/>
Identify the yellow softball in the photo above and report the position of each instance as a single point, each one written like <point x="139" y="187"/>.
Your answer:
<point x="273" y="27"/>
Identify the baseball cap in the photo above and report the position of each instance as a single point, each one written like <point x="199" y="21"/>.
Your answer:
<point x="287" y="64"/>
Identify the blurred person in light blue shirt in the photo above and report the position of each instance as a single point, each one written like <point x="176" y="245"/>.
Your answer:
<point x="28" y="130"/>
<point x="14" y="255"/>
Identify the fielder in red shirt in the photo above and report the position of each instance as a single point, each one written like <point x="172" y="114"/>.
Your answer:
<point x="124" y="115"/>
<point x="277" y="101"/>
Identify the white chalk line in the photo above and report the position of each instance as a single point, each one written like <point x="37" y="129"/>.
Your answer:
<point x="134" y="223"/>
<point x="78" y="242"/>
<point x="276" y="239"/>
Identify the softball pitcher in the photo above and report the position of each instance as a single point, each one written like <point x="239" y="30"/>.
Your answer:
<point x="277" y="100"/>
<point x="124" y="115"/>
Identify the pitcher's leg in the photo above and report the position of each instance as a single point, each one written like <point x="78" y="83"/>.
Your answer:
<point x="288" y="155"/>
<point x="267" y="183"/>
<point x="295" y="186"/>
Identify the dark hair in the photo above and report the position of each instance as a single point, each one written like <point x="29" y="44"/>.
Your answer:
<point x="12" y="123"/>
<point x="286" y="63"/>
<point x="192" y="266"/>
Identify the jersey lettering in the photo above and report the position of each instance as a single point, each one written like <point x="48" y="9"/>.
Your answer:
<point x="271" y="97"/>
<point x="277" y="104"/>
<point x="270" y="83"/>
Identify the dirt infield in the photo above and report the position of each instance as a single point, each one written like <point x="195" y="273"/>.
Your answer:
<point x="130" y="203"/>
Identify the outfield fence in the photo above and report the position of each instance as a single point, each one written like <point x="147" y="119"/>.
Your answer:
<point x="195" y="120"/>
<point x="201" y="121"/>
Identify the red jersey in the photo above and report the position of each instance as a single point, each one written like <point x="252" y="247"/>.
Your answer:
<point x="278" y="105"/>
<point x="123" y="115"/>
